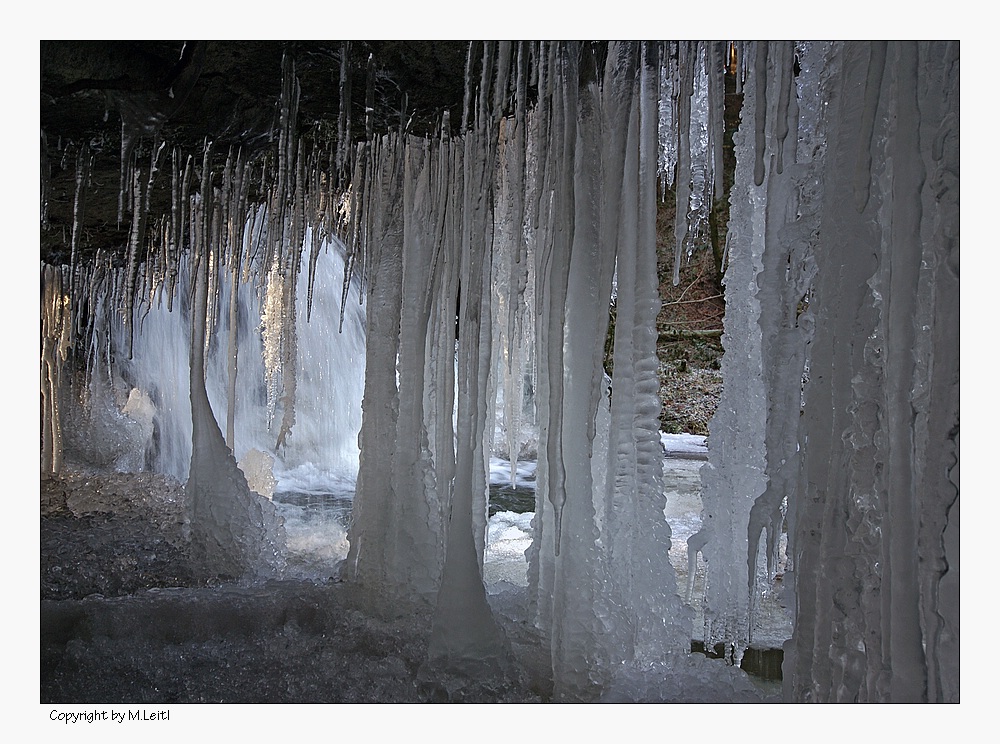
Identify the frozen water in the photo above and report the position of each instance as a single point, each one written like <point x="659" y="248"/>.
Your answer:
<point x="839" y="416"/>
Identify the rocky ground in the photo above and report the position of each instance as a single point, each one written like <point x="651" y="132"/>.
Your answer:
<point x="689" y="398"/>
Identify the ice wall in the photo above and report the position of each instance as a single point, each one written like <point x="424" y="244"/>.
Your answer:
<point x="841" y="369"/>
<point x="874" y="535"/>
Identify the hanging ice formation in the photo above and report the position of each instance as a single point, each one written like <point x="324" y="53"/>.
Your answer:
<point x="575" y="193"/>
<point x="841" y="370"/>
<point x="485" y="262"/>
<point x="690" y="137"/>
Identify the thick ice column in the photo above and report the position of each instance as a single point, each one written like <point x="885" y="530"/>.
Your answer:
<point x="396" y="535"/>
<point x="584" y="642"/>
<point x="235" y="532"/>
<point x="733" y="478"/>
<point x="439" y="392"/>
<point x="600" y="590"/>
<point x="464" y="637"/>
<point x="418" y="533"/>
<point x="374" y="503"/>
<point x="636" y="529"/>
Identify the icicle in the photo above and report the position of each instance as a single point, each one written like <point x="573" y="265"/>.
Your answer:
<point x="873" y="85"/>
<point x="83" y="165"/>
<point x="125" y="175"/>
<point x="554" y="270"/>
<point x="235" y="240"/>
<point x="501" y="84"/>
<point x="760" y="113"/>
<point x="56" y="340"/>
<point x="137" y="234"/>
<point x="370" y="100"/>
<point x="784" y="79"/>
<point x="716" y="67"/>
<point x="46" y="176"/>
<point x="344" y="147"/>
<point x="668" y="130"/>
<point x="686" y="72"/>
<point x="702" y="185"/>
<point x="512" y="346"/>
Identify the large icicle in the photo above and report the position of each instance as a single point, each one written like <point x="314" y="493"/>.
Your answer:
<point x="734" y="476"/>
<point x="660" y="627"/>
<point x="687" y="65"/>
<point x="235" y="533"/>
<point x="374" y="500"/>
<point x="465" y="640"/>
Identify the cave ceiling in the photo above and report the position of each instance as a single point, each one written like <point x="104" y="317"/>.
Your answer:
<point x="224" y="92"/>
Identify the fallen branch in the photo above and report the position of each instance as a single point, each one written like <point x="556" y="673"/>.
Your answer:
<point x="700" y="299"/>
<point x="680" y="335"/>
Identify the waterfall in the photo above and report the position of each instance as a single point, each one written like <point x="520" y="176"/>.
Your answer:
<point x="323" y="444"/>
